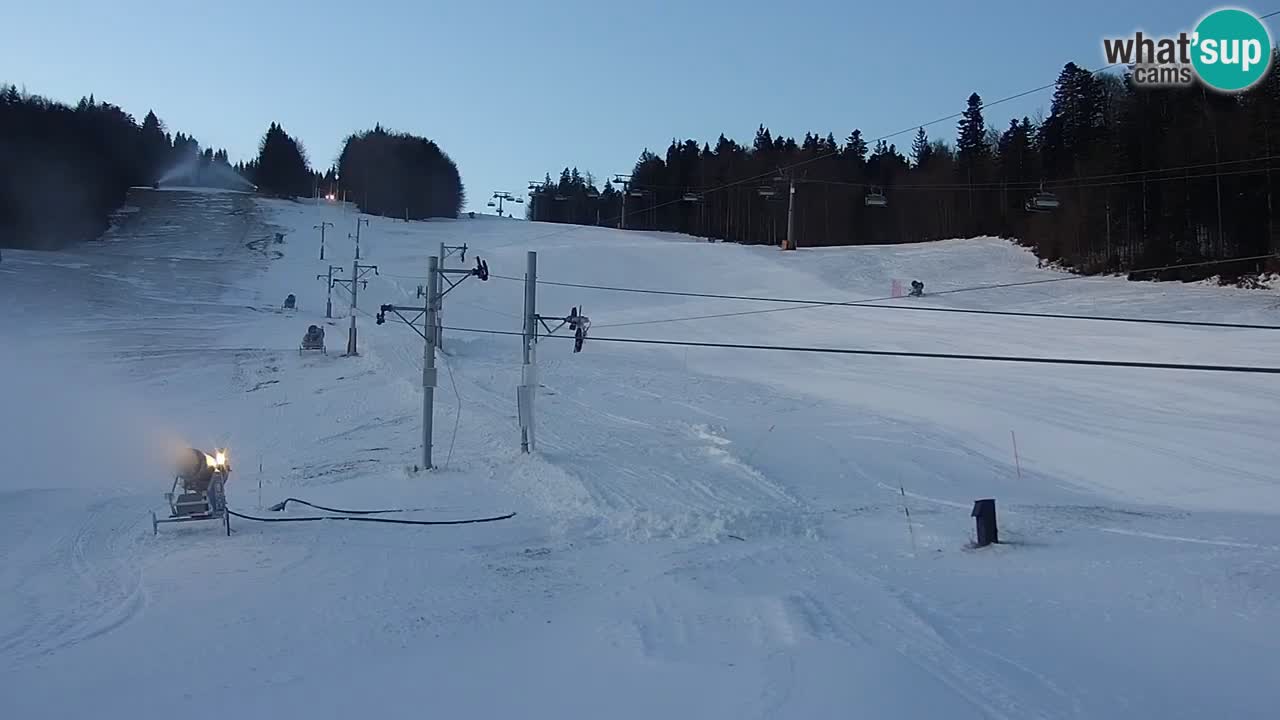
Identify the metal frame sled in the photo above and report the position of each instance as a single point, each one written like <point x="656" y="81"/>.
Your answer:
<point x="313" y="340"/>
<point x="200" y="496"/>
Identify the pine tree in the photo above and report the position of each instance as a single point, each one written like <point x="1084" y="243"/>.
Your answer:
<point x="155" y="147"/>
<point x="764" y="140"/>
<point x="920" y="149"/>
<point x="282" y="165"/>
<point x="1076" y="120"/>
<point x="855" y="147"/>
<point x="971" y="135"/>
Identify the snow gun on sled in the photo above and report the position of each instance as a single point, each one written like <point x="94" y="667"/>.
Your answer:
<point x="198" y="491"/>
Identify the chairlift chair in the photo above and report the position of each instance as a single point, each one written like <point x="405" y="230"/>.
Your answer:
<point x="875" y="198"/>
<point x="492" y="204"/>
<point x="767" y="191"/>
<point x="692" y="197"/>
<point x="1043" y="201"/>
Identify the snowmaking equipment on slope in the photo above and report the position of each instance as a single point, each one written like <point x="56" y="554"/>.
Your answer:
<point x="198" y="491"/>
<point x="313" y="340"/>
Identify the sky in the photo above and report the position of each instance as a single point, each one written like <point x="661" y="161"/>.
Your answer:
<point x="515" y="90"/>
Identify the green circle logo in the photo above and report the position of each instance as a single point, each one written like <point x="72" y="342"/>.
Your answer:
<point x="1232" y="50"/>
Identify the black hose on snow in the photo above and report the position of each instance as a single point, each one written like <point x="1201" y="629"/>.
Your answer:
<point x="357" y="518"/>
<point x="280" y="506"/>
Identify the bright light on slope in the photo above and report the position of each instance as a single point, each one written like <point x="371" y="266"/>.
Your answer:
<point x="216" y="462"/>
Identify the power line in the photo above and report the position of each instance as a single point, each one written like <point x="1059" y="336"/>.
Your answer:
<point x="870" y="303"/>
<point x="487" y="309"/>
<point x="1261" y="158"/>
<point x="477" y="306"/>
<point x="1135" y="181"/>
<point x="906" y="354"/>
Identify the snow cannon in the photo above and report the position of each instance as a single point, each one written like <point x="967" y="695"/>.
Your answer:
<point x="199" y="489"/>
<point x="197" y="468"/>
<point x="313" y="340"/>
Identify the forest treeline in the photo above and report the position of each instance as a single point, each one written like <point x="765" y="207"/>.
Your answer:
<point x="1141" y="177"/>
<point x="65" y="169"/>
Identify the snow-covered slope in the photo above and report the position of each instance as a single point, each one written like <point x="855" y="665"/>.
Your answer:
<point x="702" y="532"/>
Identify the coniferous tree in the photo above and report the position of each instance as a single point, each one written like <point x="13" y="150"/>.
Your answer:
<point x="155" y="146"/>
<point x="855" y="147"/>
<point x="971" y="136"/>
<point x="399" y="175"/>
<point x="921" y="150"/>
<point x="282" y="165"/>
<point x="972" y="155"/>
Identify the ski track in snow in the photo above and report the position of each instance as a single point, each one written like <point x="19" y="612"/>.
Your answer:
<point x="104" y="582"/>
<point x="702" y="533"/>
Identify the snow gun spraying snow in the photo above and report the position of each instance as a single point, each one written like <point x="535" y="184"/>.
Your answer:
<point x="199" y="489"/>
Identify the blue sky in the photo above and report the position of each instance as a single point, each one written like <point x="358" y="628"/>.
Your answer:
<point x="512" y="90"/>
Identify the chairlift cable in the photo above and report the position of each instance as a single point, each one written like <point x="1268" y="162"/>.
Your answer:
<point x="871" y="302"/>
<point x="1072" y="183"/>
<point x="907" y="354"/>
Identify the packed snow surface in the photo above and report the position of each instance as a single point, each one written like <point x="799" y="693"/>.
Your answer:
<point x="709" y="533"/>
